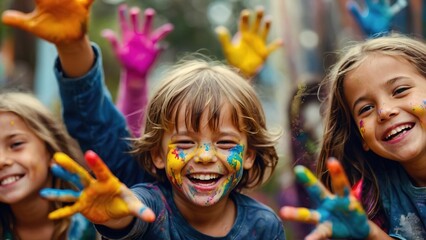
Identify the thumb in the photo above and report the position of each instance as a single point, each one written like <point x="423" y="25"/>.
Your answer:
<point x="224" y="37"/>
<point x="16" y="19"/>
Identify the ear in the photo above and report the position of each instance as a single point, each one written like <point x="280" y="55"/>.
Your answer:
<point x="249" y="159"/>
<point x="157" y="159"/>
<point x="365" y="146"/>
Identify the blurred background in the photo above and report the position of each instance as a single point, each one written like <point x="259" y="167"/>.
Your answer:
<point x="312" y="32"/>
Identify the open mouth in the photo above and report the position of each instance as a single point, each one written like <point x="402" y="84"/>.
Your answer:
<point x="10" y="179"/>
<point x="204" y="178"/>
<point x="398" y="131"/>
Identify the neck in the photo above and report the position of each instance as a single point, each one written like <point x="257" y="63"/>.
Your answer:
<point x="31" y="221"/>
<point x="216" y="220"/>
<point x="416" y="171"/>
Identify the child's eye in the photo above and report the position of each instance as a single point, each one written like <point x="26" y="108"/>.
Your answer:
<point x="226" y="144"/>
<point x="400" y="90"/>
<point x="16" y="145"/>
<point x="365" y="109"/>
<point x="184" y="144"/>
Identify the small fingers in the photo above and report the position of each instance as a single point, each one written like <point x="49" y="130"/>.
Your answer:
<point x="67" y="176"/>
<point x="397" y="7"/>
<point x="315" y="188"/>
<point x="224" y="37"/>
<point x="135" y="206"/>
<point x="322" y="231"/>
<point x="266" y="29"/>
<point x="99" y="168"/>
<point x="16" y="19"/>
<point x="258" y="20"/>
<point x="110" y="36"/>
<point x="61" y="195"/>
<point x="70" y="165"/>
<point x="244" y="20"/>
<point x="134" y="18"/>
<point x="161" y="32"/>
<point x="149" y="16"/>
<point x="64" y="212"/>
<point x="300" y="214"/>
<point x="339" y="181"/>
<point x="277" y="43"/>
<point x="122" y="16"/>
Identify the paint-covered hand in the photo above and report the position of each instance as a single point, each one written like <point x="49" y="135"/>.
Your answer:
<point x="375" y="18"/>
<point x="338" y="215"/>
<point x="52" y="20"/>
<point x="139" y="47"/>
<point x="101" y="199"/>
<point x="248" y="49"/>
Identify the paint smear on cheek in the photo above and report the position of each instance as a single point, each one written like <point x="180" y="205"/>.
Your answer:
<point x="361" y="128"/>
<point x="420" y="108"/>
<point x="175" y="162"/>
<point x="234" y="160"/>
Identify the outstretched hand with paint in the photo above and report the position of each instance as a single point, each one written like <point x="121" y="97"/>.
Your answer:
<point x="49" y="22"/>
<point x="137" y="53"/>
<point x="104" y="200"/>
<point x="339" y="215"/>
<point x="248" y="49"/>
<point x="375" y="18"/>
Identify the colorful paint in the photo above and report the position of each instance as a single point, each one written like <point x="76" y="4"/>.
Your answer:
<point x="361" y="128"/>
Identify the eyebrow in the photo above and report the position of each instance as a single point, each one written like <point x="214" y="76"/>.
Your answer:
<point x="387" y="83"/>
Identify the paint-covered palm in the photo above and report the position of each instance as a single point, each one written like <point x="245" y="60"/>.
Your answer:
<point x="376" y="17"/>
<point x="338" y="215"/>
<point x="248" y="49"/>
<point x="102" y="199"/>
<point x="139" y="47"/>
<point x="56" y="21"/>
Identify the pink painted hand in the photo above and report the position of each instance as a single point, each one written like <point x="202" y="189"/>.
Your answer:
<point x="51" y="20"/>
<point x="140" y="46"/>
<point x="338" y="215"/>
<point x="102" y="199"/>
<point x="137" y="53"/>
<point x="248" y="50"/>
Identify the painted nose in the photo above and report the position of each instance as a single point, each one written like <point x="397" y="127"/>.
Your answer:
<point x="205" y="154"/>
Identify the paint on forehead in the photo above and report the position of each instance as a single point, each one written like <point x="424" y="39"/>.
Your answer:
<point x="12" y="123"/>
<point x="361" y="128"/>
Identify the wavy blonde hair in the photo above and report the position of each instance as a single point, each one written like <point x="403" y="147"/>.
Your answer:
<point x="49" y="129"/>
<point x="204" y="87"/>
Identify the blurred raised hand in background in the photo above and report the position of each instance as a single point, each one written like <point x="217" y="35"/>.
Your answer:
<point x="375" y="18"/>
<point x="248" y="49"/>
<point x="137" y="52"/>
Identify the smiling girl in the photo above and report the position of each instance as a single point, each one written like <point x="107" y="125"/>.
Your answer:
<point x="29" y="136"/>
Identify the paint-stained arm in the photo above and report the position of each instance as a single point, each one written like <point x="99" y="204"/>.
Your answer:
<point x="103" y="200"/>
<point x="137" y="52"/>
<point x="338" y="215"/>
<point x="376" y="16"/>
<point x="248" y="50"/>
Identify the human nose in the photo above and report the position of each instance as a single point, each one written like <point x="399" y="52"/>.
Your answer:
<point x="205" y="154"/>
<point x="4" y="160"/>
<point x="385" y="113"/>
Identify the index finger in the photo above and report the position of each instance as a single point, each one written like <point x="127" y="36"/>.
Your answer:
<point x="339" y="180"/>
<point x="315" y="188"/>
<point x="70" y="165"/>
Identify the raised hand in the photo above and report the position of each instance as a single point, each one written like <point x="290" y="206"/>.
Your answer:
<point x="376" y="17"/>
<point x="137" y="52"/>
<point x="102" y="199"/>
<point x="248" y="49"/>
<point x="56" y="21"/>
<point x="339" y="215"/>
<point x="139" y="47"/>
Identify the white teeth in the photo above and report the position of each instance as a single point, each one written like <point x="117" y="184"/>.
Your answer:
<point x="397" y="130"/>
<point x="9" y="180"/>
<point x="204" y="177"/>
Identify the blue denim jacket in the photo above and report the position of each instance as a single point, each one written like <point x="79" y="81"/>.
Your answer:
<point x="93" y="120"/>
